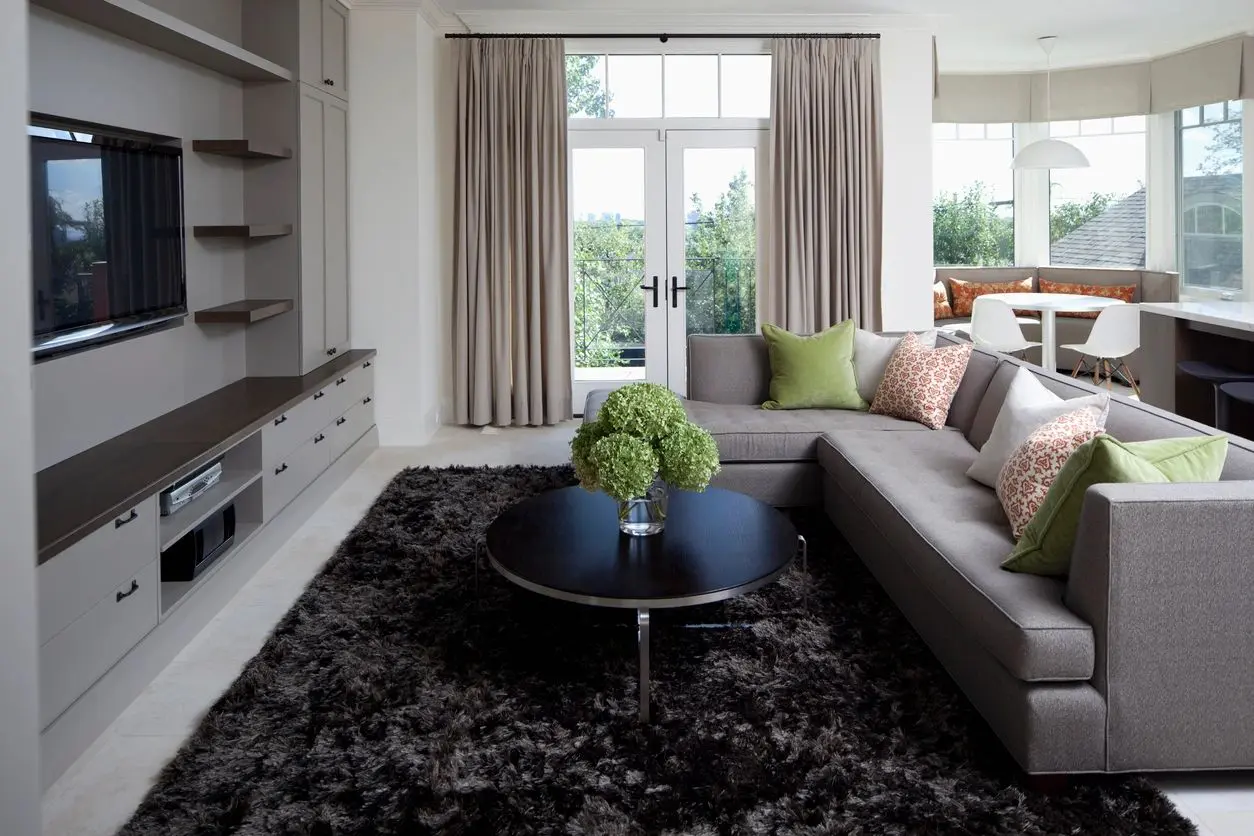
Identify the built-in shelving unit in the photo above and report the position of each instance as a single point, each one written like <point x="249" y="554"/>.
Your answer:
<point x="231" y="485"/>
<point x="173" y="592"/>
<point x="245" y="149"/>
<point x="244" y="312"/>
<point x="154" y="28"/>
<point x="242" y="230"/>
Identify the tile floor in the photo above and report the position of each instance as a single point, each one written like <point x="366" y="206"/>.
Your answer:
<point x="99" y="792"/>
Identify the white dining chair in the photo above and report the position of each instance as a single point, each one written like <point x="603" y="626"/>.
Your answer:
<point x="994" y="326"/>
<point x="1116" y="334"/>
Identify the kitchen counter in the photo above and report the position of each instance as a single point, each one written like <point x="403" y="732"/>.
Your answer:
<point x="1238" y="315"/>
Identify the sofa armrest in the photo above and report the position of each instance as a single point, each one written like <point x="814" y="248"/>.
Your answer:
<point x="1165" y="575"/>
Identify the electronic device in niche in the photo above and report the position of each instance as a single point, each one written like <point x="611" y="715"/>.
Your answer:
<point x="195" y="551"/>
<point x="190" y="487"/>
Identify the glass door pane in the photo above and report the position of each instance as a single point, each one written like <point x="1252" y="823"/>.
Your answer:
<point x="618" y="334"/>
<point x="713" y="179"/>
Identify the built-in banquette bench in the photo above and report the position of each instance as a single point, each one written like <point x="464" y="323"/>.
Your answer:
<point x="1150" y="286"/>
<point x="108" y="620"/>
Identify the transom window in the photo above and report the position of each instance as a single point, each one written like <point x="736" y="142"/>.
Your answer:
<point x="668" y="86"/>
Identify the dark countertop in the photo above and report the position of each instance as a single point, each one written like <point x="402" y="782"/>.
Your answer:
<point x="76" y="496"/>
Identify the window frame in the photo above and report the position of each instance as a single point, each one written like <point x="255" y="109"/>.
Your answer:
<point x="1015" y="219"/>
<point x="1201" y="292"/>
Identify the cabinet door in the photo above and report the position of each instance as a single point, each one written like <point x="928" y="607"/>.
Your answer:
<point x="335" y="48"/>
<point x="312" y="229"/>
<point x="335" y="214"/>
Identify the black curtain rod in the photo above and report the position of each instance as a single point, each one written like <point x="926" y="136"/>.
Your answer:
<point x="576" y="36"/>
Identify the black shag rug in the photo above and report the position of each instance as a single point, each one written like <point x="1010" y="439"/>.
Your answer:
<point x="409" y="691"/>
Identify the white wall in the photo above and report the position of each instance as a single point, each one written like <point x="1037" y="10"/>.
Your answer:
<point x="82" y="73"/>
<point x="19" y="713"/>
<point x="398" y="216"/>
<point x="908" y="274"/>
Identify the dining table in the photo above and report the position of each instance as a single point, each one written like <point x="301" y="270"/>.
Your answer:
<point x="1049" y="305"/>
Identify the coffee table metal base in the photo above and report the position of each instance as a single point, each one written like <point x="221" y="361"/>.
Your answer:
<point x="642" y="638"/>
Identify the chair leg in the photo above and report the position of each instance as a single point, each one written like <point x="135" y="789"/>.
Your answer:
<point x="1110" y="373"/>
<point x="1097" y="369"/>
<point x="1127" y="372"/>
<point x="1078" y="363"/>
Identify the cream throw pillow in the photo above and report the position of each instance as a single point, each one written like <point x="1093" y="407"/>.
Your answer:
<point x="1028" y="405"/>
<point x="871" y="353"/>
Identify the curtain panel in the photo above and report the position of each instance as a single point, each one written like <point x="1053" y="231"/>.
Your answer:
<point x="512" y="354"/>
<point x="825" y="204"/>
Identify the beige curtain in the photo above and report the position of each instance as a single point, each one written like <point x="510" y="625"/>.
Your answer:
<point x="824" y="219"/>
<point x="512" y="362"/>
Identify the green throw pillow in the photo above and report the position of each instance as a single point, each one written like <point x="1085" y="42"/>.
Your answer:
<point x="1045" y="547"/>
<point x="812" y="372"/>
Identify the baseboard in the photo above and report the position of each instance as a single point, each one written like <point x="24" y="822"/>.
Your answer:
<point x="74" y="731"/>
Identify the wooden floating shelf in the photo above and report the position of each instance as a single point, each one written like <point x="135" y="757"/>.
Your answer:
<point x="245" y="311"/>
<point x="242" y="231"/>
<point x="154" y="28"/>
<point x="245" y="149"/>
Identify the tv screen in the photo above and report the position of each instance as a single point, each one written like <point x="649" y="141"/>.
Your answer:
<point x="107" y="224"/>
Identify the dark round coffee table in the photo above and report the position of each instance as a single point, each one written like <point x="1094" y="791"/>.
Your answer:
<point x="717" y="545"/>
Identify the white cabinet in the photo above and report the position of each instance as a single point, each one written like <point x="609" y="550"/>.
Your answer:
<point x="324" y="46"/>
<point x="323" y="227"/>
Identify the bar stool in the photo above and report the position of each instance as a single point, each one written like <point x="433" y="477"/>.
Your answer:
<point x="1243" y="392"/>
<point x="1218" y="377"/>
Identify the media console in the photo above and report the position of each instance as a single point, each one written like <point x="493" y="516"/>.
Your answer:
<point x="109" y="616"/>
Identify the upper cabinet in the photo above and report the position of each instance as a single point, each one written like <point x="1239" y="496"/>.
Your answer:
<point x="324" y="46"/>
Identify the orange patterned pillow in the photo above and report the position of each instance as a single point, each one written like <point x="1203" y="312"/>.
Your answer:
<point x="965" y="293"/>
<point x="940" y="302"/>
<point x="1124" y="292"/>
<point x="920" y="382"/>
<point x="1026" y="476"/>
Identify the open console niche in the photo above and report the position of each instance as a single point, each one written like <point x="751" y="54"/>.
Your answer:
<point x="105" y="608"/>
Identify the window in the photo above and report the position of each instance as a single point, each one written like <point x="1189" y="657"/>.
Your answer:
<point x="973" y="194"/>
<point x="1208" y="196"/>
<point x="1097" y="214"/>
<point x="672" y="85"/>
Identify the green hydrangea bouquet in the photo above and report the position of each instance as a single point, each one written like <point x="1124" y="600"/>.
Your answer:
<point x="640" y="443"/>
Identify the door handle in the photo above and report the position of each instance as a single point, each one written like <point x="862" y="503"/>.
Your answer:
<point x="675" y="288"/>
<point x="652" y="287"/>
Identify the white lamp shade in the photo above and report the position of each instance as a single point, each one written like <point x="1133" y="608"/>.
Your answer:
<point x="1051" y="153"/>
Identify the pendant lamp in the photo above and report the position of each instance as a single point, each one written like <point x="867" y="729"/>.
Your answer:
<point x="1049" y="153"/>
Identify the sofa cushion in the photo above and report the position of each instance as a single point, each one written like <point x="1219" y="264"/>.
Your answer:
<point x="1026" y="477"/>
<point x="814" y="371"/>
<point x="1123" y="292"/>
<point x="952" y="533"/>
<point x="871" y="353"/>
<point x="941" y="309"/>
<point x="746" y="433"/>
<point x="920" y="382"/>
<point x="965" y="293"/>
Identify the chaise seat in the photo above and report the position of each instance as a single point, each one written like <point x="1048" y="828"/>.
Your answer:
<point x="748" y="433"/>
<point x="952" y="534"/>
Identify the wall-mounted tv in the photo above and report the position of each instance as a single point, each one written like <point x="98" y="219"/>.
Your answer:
<point x="108" y="244"/>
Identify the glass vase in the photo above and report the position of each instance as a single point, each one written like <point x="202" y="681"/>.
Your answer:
<point x="646" y="514"/>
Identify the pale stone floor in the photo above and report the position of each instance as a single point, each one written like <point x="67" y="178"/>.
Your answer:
<point x="99" y="792"/>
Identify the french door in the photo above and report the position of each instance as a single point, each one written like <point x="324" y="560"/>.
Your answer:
<point x="664" y="243"/>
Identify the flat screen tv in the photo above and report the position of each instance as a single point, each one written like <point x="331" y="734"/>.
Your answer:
<point x="107" y="224"/>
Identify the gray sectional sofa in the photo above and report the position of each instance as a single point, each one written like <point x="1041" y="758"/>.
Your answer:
<point x="1142" y="660"/>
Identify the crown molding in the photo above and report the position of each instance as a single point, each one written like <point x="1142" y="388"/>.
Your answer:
<point x="577" y="22"/>
<point x="432" y="12"/>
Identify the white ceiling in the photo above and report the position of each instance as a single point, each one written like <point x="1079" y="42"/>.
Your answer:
<point x="972" y="35"/>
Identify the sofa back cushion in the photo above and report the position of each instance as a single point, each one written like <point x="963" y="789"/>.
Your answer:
<point x="1128" y="420"/>
<point x="728" y="368"/>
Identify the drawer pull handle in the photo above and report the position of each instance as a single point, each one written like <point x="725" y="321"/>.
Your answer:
<point x="331" y="352"/>
<point x="367" y="399"/>
<point x="367" y="364"/>
<point x="128" y="593"/>
<point x="280" y="469"/>
<point x="320" y="395"/>
<point x="319" y="437"/>
<point x="281" y="419"/>
<point x="124" y="520"/>
<point x="340" y="420"/>
<point x="341" y="381"/>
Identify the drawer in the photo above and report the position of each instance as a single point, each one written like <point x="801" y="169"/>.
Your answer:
<point x="285" y="433"/>
<point x="74" y="581"/>
<point x="351" y="426"/>
<point x="350" y="387"/>
<point x="282" y="481"/>
<point x="83" y="652"/>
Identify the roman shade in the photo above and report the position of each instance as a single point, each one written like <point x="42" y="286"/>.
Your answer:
<point x="1215" y="72"/>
